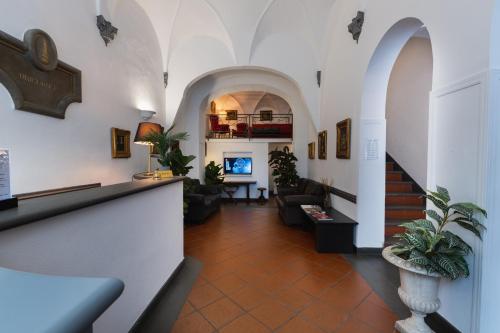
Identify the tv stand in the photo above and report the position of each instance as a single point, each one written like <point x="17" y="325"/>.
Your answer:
<point x="238" y="183"/>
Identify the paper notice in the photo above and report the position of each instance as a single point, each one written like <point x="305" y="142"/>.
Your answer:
<point x="4" y="175"/>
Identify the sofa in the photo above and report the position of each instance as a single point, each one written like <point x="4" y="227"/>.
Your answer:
<point x="202" y="200"/>
<point x="263" y="130"/>
<point x="289" y="200"/>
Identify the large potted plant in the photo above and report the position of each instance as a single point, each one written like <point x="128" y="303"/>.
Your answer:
<point x="284" y="169"/>
<point x="169" y="154"/>
<point x="428" y="251"/>
<point x="213" y="174"/>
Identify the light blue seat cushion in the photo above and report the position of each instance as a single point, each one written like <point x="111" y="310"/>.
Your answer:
<point x="32" y="303"/>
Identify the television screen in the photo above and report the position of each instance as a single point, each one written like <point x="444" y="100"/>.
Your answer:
<point x="238" y="165"/>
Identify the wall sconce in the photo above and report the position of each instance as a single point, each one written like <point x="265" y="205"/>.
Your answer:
<point x="147" y="114"/>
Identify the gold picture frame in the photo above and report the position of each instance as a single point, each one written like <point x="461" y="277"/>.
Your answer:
<point x="344" y="139"/>
<point x="266" y="115"/>
<point x="322" y="145"/>
<point x="311" y="147"/>
<point x="120" y="143"/>
<point x="232" y="115"/>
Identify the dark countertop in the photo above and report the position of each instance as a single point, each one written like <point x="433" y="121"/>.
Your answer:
<point x="32" y="210"/>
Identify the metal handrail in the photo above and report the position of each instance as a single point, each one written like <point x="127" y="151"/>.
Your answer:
<point x="250" y="120"/>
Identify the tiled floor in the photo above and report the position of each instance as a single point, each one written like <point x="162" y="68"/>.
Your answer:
<point x="261" y="276"/>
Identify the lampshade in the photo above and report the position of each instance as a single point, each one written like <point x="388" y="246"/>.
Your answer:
<point x="144" y="129"/>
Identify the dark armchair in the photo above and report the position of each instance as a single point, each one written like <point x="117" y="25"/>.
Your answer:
<point x="202" y="200"/>
<point x="307" y="192"/>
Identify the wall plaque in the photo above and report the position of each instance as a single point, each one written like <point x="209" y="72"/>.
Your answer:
<point x="37" y="81"/>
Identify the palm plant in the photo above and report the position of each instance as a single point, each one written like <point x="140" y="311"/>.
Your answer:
<point x="213" y="174"/>
<point x="283" y="164"/>
<point x="169" y="156"/>
<point x="430" y="243"/>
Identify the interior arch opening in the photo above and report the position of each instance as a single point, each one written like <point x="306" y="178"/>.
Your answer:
<point x="393" y="133"/>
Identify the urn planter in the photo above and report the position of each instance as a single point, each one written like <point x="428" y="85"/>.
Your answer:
<point x="418" y="291"/>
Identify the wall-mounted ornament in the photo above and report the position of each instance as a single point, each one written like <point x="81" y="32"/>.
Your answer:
<point x="165" y="79"/>
<point x="106" y="29"/>
<point x="356" y="26"/>
<point x="318" y="78"/>
<point x="37" y="81"/>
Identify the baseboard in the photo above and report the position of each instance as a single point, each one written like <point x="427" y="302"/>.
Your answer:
<point x="161" y="314"/>
<point x="368" y="250"/>
<point x="439" y="324"/>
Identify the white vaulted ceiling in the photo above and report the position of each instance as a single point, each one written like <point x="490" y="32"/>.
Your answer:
<point x="201" y="36"/>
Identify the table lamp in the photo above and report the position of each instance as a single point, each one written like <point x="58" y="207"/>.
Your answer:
<point x="143" y="130"/>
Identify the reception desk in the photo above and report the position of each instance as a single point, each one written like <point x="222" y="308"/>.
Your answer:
<point x="130" y="231"/>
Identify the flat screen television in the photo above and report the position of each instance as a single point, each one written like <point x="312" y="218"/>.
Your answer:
<point x="238" y="165"/>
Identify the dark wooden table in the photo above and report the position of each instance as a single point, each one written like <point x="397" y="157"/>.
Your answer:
<point x="238" y="183"/>
<point x="334" y="236"/>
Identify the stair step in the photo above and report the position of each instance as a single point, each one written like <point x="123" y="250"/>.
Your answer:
<point x="394" y="176"/>
<point x="389" y="166"/>
<point x="408" y="199"/>
<point x="404" y="212"/>
<point x="395" y="222"/>
<point x="398" y="186"/>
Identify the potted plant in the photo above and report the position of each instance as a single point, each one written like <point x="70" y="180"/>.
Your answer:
<point x="284" y="169"/>
<point x="213" y="174"/>
<point x="170" y="155"/>
<point x="428" y="251"/>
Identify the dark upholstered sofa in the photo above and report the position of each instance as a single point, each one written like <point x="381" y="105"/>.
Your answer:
<point x="307" y="192"/>
<point x="202" y="200"/>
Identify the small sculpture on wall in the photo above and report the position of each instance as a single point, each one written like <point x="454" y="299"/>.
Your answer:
<point x="356" y="26"/>
<point x="165" y="79"/>
<point x="106" y="29"/>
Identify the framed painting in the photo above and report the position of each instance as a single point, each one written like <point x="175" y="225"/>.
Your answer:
<point x="322" y="145"/>
<point x="312" y="150"/>
<point x="266" y="115"/>
<point x="344" y="139"/>
<point x="232" y="115"/>
<point x="120" y="143"/>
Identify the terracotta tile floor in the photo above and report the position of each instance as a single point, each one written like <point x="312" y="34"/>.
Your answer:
<point x="261" y="276"/>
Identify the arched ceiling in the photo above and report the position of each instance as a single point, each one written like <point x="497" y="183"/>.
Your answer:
<point x="201" y="36"/>
<point x="241" y="25"/>
<point x="251" y="102"/>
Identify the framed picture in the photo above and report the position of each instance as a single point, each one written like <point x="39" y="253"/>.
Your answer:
<point x="266" y="115"/>
<point x="213" y="107"/>
<point x="322" y="145"/>
<point x="232" y="115"/>
<point x="312" y="150"/>
<point x="120" y="143"/>
<point x="344" y="139"/>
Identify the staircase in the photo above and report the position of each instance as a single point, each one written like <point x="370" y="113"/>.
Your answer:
<point x="403" y="199"/>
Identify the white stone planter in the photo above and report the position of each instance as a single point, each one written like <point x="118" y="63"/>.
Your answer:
<point x="418" y="291"/>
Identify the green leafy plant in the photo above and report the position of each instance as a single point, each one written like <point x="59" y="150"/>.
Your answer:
<point x="431" y="245"/>
<point x="284" y="169"/>
<point x="213" y="174"/>
<point x="170" y="155"/>
<point x="179" y="163"/>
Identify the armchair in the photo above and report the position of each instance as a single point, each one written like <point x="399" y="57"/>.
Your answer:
<point x="217" y="128"/>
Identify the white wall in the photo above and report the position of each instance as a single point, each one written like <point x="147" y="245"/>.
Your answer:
<point x="107" y="240"/>
<point x="116" y="81"/>
<point x="216" y="151"/>
<point x="408" y="108"/>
